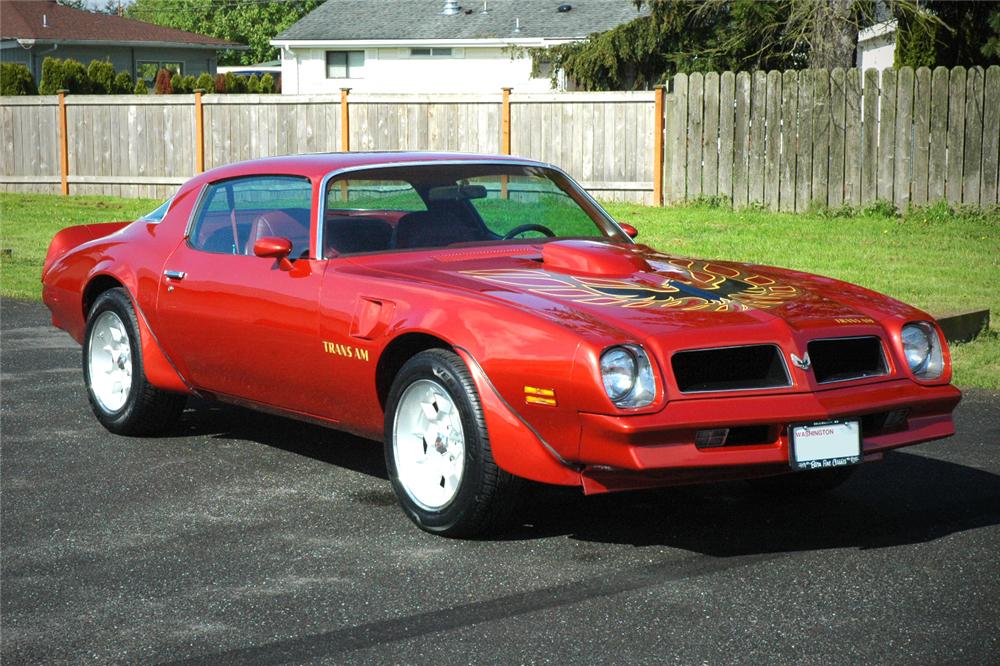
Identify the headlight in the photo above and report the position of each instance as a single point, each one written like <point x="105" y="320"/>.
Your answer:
<point x="628" y="376"/>
<point x="922" y="349"/>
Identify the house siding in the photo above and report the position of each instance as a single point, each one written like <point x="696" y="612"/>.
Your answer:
<point x="195" y="61"/>
<point x="392" y="70"/>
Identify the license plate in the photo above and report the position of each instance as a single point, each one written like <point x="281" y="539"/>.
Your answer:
<point x="825" y="444"/>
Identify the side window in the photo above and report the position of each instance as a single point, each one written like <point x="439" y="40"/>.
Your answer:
<point x="362" y="214"/>
<point x="235" y="213"/>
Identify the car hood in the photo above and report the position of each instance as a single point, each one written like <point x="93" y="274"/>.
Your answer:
<point x="594" y="286"/>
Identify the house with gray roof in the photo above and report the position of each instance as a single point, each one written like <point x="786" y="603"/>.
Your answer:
<point x="434" y="46"/>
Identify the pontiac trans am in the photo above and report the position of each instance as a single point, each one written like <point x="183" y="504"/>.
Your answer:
<point x="489" y="322"/>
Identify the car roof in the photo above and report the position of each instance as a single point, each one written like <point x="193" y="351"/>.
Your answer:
<point x="316" y="165"/>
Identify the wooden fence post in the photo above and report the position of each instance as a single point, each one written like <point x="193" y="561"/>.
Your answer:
<point x="345" y="121"/>
<point x="505" y="122"/>
<point x="199" y="133"/>
<point x="505" y="136"/>
<point x="63" y="145"/>
<point x="658" y="147"/>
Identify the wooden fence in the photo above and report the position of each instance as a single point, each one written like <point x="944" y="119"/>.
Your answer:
<point x="790" y="141"/>
<point x="787" y="141"/>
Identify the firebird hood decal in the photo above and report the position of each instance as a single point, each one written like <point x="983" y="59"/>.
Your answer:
<point x="681" y="284"/>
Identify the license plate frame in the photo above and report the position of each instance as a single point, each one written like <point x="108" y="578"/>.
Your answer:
<point x="824" y="444"/>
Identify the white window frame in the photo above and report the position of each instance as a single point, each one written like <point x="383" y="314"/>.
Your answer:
<point x="347" y="63"/>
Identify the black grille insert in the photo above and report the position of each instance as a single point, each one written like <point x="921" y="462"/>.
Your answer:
<point x="841" y="359"/>
<point x="730" y="369"/>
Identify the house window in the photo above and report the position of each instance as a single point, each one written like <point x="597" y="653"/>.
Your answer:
<point x="147" y="69"/>
<point x="344" y="64"/>
<point x="431" y="53"/>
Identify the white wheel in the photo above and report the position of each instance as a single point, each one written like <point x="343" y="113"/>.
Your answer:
<point x="437" y="450"/>
<point x="120" y="395"/>
<point x="109" y="356"/>
<point x="428" y="445"/>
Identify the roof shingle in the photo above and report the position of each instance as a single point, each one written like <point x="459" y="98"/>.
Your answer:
<point x="47" y="20"/>
<point x="422" y="19"/>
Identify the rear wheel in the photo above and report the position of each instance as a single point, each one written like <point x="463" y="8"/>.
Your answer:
<point x="810" y="482"/>
<point x="437" y="450"/>
<point x="121" y="397"/>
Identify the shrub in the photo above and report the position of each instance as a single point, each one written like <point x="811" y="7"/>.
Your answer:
<point x="52" y="76"/>
<point x="205" y="82"/>
<point x="220" y="83"/>
<point x="267" y="84"/>
<point x="190" y="83"/>
<point x="177" y="85"/>
<point x="140" y="87"/>
<point x="16" y="79"/>
<point x="162" y="85"/>
<point x="253" y="84"/>
<point x="235" y="84"/>
<point x="101" y="74"/>
<point x="123" y="83"/>
<point x="75" y="77"/>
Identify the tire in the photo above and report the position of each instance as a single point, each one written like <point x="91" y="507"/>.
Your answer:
<point x="450" y="486"/>
<point x="812" y="482"/>
<point x="121" y="397"/>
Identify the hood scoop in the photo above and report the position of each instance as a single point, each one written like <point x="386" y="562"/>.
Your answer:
<point x="587" y="257"/>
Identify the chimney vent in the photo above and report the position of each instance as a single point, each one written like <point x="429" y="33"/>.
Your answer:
<point x="451" y="8"/>
<point x="45" y="20"/>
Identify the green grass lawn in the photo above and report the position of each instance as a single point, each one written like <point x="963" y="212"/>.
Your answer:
<point x="934" y="258"/>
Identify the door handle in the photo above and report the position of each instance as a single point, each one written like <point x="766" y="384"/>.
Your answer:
<point x="175" y="275"/>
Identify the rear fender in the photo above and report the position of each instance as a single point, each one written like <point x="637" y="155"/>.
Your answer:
<point x="517" y="448"/>
<point x="71" y="237"/>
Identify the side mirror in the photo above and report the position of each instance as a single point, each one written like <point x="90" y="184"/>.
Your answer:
<point x="629" y="229"/>
<point x="273" y="247"/>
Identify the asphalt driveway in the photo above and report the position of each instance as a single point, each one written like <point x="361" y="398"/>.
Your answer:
<point x="252" y="539"/>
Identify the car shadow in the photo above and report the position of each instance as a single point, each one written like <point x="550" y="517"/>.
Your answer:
<point x="221" y="421"/>
<point x="907" y="498"/>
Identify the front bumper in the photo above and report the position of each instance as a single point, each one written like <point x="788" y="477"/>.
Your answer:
<point x="659" y="449"/>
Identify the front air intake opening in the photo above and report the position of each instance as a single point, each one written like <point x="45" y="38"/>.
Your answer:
<point x="730" y="369"/>
<point x="842" y="359"/>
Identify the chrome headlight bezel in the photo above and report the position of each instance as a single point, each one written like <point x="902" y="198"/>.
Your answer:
<point x="641" y="390"/>
<point x="922" y="350"/>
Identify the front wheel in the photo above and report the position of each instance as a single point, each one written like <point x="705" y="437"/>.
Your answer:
<point x="121" y="397"/>
<point x="437" y="450"/>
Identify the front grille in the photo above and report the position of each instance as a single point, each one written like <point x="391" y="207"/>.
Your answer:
<point x="730" y="369"/>
<point x="841" y="359"/>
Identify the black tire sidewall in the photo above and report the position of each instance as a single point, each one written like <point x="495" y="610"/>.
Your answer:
<point x="118" y="302"/>
<point x="447" y="370"/>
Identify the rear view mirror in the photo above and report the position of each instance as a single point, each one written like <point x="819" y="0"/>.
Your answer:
<point x="629" y="229"/>
<point x="456" y="193"/>
<point x="272" y="247"/>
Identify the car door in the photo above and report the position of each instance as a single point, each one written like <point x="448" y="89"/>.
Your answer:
<point x="235" y="323"/>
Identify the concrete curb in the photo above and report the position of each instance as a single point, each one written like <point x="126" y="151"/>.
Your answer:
<point x="964" y="326"/>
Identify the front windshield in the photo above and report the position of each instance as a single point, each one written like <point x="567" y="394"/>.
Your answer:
<point x="439" y="205"/>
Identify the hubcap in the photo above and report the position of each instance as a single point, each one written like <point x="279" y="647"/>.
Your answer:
<point x="109" y="358"/>
<point x="428" y="445"/>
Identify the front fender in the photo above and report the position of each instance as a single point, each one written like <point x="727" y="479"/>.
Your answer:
<point x="517" y="447"/>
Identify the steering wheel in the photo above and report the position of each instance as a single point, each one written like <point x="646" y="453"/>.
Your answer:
<point x="521" y="228"/>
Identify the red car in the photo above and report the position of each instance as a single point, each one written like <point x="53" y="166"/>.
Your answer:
<point x="490" y="322"/>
